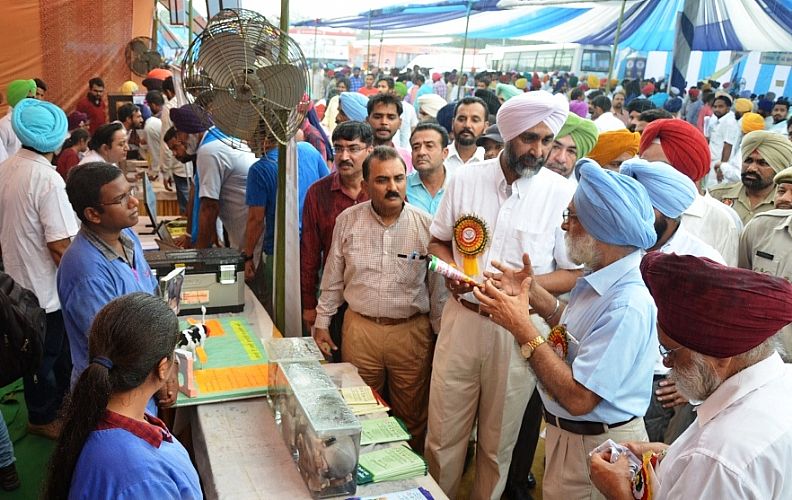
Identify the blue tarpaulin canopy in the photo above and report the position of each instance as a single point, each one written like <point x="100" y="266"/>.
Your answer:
<point x="649" y="25"/>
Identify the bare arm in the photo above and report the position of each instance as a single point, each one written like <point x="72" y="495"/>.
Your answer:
<point x="207" y="222"/>
<point x="57" y="249"/>
<point x="727" y="151"/>
<point x="253" y="231"/>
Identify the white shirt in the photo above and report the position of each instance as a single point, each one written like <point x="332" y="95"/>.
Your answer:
<point x="606" y="122"/>
<point x="409" y="120"/>
<point x="222" y="176"/>
<point x="453" y="161"/>
<point x="92" y="156"/>
<point x="715" y="224"/>
<point x="723" y="130"/>
<point x="740" y="444"/>
<point x="168" y="164"/>
<point x="153" y="132"/>
<point x="7" y="135"/>
<point x="3" y="153"/>
<point x="527" y="219"/>
<point x="779" y="128"/>
<point x="34" y="211"/>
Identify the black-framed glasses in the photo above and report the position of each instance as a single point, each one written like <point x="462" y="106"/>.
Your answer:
<point x="666" y="353"/>
<point x="568" y="215"/>
<point x="353" y="150"/>
<point x="123" y="199"/>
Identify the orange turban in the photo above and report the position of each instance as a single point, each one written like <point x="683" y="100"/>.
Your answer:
<point x="751" y="122"/>
<point x="593" y="82"/>
<point x="613" y="144"/>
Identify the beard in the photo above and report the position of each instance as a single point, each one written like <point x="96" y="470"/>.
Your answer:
<point x="660" y="226"/>
<point x="582" y="249"/>
<point x="754" y="181"/>
<point x="559" y="168"/>
<point x="697" y="381"/>
<point x="465" y="140"/>
<point x="525" y="165"/>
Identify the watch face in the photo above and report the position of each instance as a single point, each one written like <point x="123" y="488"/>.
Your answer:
<point x="526" y="350"/>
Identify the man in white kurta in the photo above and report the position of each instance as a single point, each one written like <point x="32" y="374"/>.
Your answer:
<point x="517" y="207"/>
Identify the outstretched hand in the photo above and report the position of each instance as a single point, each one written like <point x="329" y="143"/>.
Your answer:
<point x="508" y="311"/>
<point x="613" y="480"/>
<point x="510" y="280"/>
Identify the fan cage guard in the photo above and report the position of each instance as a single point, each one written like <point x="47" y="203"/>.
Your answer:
<point x="249" y="77"/>
<point x="144" y="57"/>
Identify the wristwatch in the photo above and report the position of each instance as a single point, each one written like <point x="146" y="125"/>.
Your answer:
<point x="528" y="348"/>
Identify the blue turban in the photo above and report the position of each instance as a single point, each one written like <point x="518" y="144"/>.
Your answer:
<point x="613" y="208"/>
<point x="40" y="125"/>
<point x="670" y="191"/>
<point x="353" y="104"/>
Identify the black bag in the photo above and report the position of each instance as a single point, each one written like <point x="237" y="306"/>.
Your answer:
<point x="23" y="325"/>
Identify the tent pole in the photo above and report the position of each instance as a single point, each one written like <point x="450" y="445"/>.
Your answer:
<point x="615" y="45"/>
<point x="368" y="45"/>
<point x="279" y="272"/>
<point x="189" y="23"/>
<point x="379" y="56"/>
<point x="464" y="48"/>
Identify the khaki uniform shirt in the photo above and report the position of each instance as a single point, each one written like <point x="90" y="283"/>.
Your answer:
<point x="766" y="247"/>
<point x="734" y="196"/>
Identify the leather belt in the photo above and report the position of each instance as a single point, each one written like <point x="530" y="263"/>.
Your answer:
<point x="475" y="307"/>
<point x="389" y="321"/>
<point x="582" y="427"/>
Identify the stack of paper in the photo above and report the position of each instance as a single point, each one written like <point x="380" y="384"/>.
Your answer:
<point x="390" y="464"/>
<point x="362" y="400"/>
<point x="383" y="430"/>
<point x="413" y="494"/>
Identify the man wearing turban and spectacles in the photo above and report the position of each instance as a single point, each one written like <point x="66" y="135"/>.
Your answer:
<point x="716" y="326"/>
<point x="595" y="368"/>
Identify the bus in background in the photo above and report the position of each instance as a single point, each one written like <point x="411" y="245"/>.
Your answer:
<point x="546" y="58"/>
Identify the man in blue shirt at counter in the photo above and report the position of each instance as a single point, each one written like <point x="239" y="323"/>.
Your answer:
<point x="105" y="260"/>
<point x="595" y="369"/>
<point x="426" y="186"/>
<point x="262" y="188"/>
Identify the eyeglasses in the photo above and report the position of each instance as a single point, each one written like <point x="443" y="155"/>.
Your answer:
<point x="353" y="150"/>
<point x="568" y="215"/>
<point x="123" y="199"/>
<point x="666" y="353"/>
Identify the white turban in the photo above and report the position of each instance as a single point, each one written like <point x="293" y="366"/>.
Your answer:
<point x="529" y="109"/>
<point x="431" y="104"/>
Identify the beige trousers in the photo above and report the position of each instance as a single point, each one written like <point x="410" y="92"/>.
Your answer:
<point x="477" y="371"/>
<point x="397" y="358"/>
<point x="567" y="460"/>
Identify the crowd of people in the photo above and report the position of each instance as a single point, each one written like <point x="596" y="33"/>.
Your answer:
<point x="599" y="223"/>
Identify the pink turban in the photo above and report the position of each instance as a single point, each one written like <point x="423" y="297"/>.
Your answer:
<point x="529" y="109"/>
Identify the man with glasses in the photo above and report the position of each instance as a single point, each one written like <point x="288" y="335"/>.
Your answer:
<point x="717" y="328"/>
<point x="36" y="226"/>
<point x="595" y="368"/>
<point x="106" y="260"/>
<point x="324" y="201"/>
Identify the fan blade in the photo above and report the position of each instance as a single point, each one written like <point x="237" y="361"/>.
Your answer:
<point x="283" y="85"/>
<point x="236" y="118"/>
<point x="225" y="57"/>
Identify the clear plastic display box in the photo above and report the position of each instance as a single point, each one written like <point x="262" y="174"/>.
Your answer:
<point x="288" y="350"/>
<point x="318" y="427"/>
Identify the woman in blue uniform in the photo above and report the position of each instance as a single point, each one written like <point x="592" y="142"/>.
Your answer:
<point x="110" y="448"/>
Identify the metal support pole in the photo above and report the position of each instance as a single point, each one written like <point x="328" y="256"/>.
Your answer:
<point x="464" y="49"/>
<point x="279" y="272"/>
<point x="615" y="45"/>
<point x="189" y="22"/>
<point x="368" y="45"/>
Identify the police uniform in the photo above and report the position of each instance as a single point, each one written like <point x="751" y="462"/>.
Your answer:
<point x="734" y="196"/>
<point x="766" y="247"/>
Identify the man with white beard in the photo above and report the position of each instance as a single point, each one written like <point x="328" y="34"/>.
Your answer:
<point x="595" y="369"/>
<point x="716" y="327"/>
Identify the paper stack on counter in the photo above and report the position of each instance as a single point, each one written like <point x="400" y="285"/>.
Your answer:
<point x="362" y="400"/>
<point x="390" y="464"/>
<point x="413" y="494"/>
<point x="383" y="430"/>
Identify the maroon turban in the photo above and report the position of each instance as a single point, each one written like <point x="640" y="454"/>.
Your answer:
<point x="683" y="144"/>
<point x="713" y="309"/>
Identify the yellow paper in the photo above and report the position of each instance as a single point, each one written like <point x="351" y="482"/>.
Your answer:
<point x="230" y="379"/>
<point x="358" y="395"/>
<point x="247" y="343"/>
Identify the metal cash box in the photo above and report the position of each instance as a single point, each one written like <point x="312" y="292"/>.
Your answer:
<point x="214" y="277"/>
